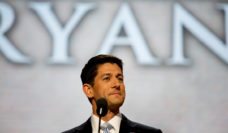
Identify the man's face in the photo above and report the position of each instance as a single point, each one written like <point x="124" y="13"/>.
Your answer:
<point x="109" y="84"/>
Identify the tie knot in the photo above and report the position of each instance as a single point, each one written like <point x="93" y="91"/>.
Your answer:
<point x="106" y="127"/>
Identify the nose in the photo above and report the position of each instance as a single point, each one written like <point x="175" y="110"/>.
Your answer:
<point x="116" y="83"/>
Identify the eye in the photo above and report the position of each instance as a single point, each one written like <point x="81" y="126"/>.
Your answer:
<point x="120" y="78"/>
<point x="106" y="78"/>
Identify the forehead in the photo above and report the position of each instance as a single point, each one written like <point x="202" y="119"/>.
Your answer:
<point x="108" y="68"/>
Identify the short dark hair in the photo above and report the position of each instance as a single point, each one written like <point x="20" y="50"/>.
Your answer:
<point x="89" y="71"/>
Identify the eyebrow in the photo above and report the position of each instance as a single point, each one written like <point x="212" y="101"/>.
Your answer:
<point x="120" y="74"/>
<point x="108" y="74"/>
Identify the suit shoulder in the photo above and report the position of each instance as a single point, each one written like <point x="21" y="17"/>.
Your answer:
<point x="80" y="128"/>
<point x="75" y="129"/>
<point x="142" y="128"/>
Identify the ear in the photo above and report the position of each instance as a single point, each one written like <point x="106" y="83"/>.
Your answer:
<point x="88" y="90"/>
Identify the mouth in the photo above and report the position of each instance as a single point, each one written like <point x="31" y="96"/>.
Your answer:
<point x="115" y="93"/>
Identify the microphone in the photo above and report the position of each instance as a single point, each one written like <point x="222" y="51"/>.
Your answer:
<point x="102" y="109"/>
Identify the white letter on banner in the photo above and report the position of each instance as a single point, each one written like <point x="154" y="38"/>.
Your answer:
<point x="60" y="34"/>
<point x="6" y="47"/>
<point x="183" y="19"/>
<point x="125" y="19"/>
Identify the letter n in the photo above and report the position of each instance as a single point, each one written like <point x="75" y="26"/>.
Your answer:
<point x="183" y="19"/>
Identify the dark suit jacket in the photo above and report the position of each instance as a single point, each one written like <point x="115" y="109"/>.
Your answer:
<point x="126" y="126"/>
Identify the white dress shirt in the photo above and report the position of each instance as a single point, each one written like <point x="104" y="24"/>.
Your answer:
<point x="115" y="122"/>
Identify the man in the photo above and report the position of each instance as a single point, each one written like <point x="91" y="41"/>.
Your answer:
<point x="102" y="77"/>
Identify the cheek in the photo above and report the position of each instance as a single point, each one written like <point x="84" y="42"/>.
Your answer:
<point x="100" y="91"/>
<point x="123" y="87"/>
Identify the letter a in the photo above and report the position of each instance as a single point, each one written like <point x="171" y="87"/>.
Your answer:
<point x="125" y="19"/>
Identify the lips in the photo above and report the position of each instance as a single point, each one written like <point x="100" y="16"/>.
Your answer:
<point x="115" y="93"/>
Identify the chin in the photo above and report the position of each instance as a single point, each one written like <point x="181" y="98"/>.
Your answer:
<point x="115" y="104"/>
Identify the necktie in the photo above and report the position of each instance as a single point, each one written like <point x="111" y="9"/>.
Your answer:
<point x="106" y="127"/>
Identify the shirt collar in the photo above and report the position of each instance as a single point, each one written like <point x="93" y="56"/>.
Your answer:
<point x="115" y="122"/>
